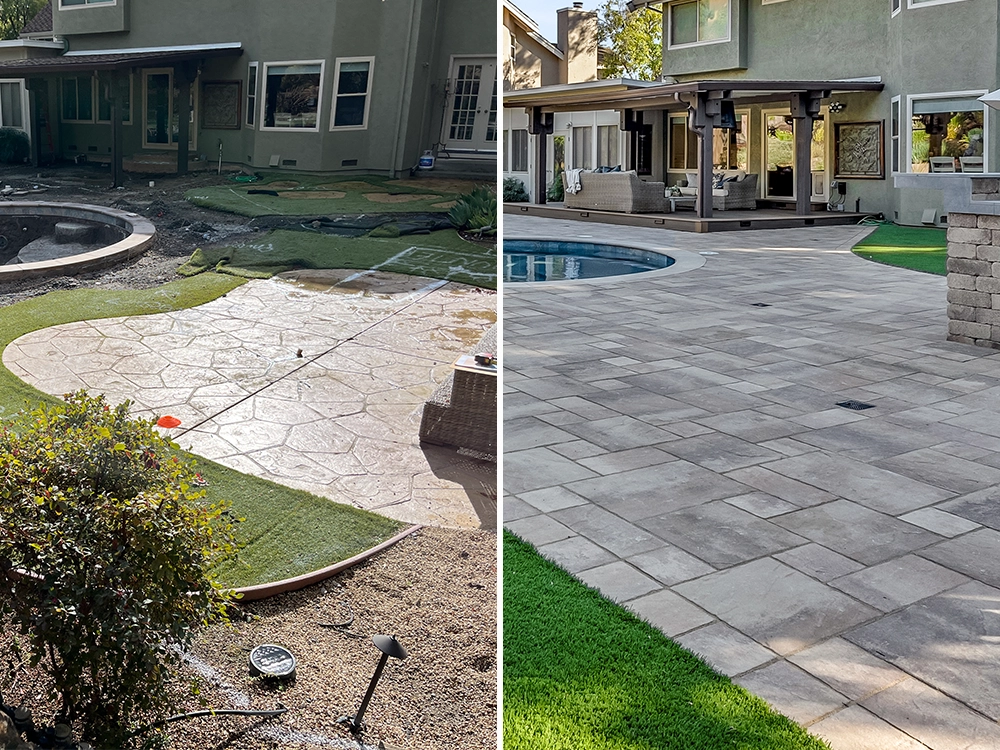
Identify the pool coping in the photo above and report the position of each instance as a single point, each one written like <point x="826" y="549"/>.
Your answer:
<point x="141" y="236"/>
<point x="684" y="261"/>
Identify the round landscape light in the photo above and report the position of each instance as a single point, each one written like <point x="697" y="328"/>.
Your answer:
<point x="388" y="644"/>
<point x="270" y="660"/>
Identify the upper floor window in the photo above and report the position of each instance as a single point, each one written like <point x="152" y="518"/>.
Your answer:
<point x="922" y="3"/>
<point x="699" y="22"/>
<point x="292" y="95"/>
<point x="352" y="93"/>
<point x="894" y="6"/>
<point x="75" y="3"/>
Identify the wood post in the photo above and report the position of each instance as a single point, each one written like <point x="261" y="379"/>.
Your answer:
<point x="805" y="109"/>
<point x="540" y="125"/>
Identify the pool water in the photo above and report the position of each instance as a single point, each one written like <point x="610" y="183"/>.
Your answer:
<point x="547" y="260"/>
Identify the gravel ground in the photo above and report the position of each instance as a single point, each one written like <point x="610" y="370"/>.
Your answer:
<point x="436" y="591"/>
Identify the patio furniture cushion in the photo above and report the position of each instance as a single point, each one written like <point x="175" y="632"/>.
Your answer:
<point x="739" y="190"/>
<point x="618" y="191"/>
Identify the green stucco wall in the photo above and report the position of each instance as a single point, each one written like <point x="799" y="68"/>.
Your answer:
<point x="950" y="47"/>
<point x="412" y="42"/>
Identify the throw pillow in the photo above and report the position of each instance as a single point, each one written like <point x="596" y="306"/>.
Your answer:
<point x="717" y="179"/>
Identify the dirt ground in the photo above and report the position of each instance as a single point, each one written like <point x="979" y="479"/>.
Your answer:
<point x="435" y="591"/>
<point x="180" y="226"/>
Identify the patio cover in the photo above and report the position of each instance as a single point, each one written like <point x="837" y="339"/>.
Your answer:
<point x="702" y="100"/>
<point x="88" y="61"/>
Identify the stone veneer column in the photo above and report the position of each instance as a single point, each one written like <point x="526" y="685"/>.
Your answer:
<point x="974" y="272"/>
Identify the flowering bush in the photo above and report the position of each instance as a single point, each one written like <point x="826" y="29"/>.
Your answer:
<point x="105" y="552"/>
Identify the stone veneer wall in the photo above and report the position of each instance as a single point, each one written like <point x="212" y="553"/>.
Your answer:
<point x="974" y="272"/>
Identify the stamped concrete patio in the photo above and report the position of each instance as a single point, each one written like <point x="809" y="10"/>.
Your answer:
<point x="675" y="442"/>
<point x="315" y="381"/>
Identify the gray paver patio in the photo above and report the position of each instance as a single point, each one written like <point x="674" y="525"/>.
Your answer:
<point x="312" y="385"/>
<point x="843" y="564"/>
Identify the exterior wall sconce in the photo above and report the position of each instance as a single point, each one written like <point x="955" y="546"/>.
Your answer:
<point x="389" y="646"/>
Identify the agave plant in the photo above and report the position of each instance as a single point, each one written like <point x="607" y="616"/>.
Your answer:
<point x="476" y="212"/>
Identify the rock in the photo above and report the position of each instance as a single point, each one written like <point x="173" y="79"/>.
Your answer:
<point x="9" y="738"/>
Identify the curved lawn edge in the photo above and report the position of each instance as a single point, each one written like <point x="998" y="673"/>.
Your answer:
<point x="923" y="249"/>
<point x="69" y="306"/>
<point x="267" y="590"/>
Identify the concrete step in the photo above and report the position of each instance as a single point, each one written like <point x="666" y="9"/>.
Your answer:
<point x="160" y="162"/>
<point x="479" y="168"/>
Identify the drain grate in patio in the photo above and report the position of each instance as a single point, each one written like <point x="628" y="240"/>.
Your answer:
<point x="855" y="405"/>
<point x="759" y="304"/>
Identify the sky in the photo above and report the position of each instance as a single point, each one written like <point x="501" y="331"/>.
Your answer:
<point x="544" y="13"/>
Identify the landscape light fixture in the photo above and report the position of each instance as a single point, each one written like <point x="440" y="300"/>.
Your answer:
<point x="389" y="646"/>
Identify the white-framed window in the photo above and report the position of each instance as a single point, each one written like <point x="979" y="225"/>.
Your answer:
<point x="607" y="146"/>
<point x="102" y="83"/>
<point x="682" y="153"/>
<point x="927" y="3"/>
<point x="73" y="4"/>
<point x="894" y="125"/>
<point x="894" y="7"/>
<point x="251" y="93"/>
<point x="519" y="150"/>
<point x="352" y="90"/>
<point x="292" y="95"/>
<point x="77" y="98"/>
<point x="946" y="132"/>
<point x="13" y="103"/>
<point x="694" y="22"/>
<point x="583" y="147"/>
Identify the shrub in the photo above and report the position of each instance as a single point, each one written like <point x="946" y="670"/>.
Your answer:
<point x="15" y="148"/>
<point x="105" y="547"/>
<point x="513" y="191"/>
<point x="556" y="192"/>
<point x="476" y="211"/>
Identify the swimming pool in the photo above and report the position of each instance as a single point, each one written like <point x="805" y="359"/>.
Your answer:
<point x="549" y="260"/>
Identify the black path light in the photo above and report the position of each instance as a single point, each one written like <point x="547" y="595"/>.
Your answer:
<point x="389" y="646"/>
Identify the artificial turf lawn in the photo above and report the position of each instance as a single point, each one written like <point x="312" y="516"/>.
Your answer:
<point x="439" y="255"/>
<point x="581" y="673"/>
<point x="278" y="519"/>
<point x="918" y="248"/>
<point x="294" y="201"/>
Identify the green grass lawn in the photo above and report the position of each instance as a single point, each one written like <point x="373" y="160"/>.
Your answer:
<point x="917" y="248"/>
<point x="581" y="673"/>
<point x="313" y="195"/>
<point x="438" y="255"/>
<point x="279" y="519"/>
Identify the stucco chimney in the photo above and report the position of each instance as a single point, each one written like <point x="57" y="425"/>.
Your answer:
<point x="577" y="32"/>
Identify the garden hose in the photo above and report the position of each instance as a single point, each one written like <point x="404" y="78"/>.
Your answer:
<point x="281" y="709"/>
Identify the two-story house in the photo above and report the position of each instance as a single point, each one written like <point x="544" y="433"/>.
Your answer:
<point x="582" y="139"/>
<point x="806" y="95"/>
<point x="318" y="85"/>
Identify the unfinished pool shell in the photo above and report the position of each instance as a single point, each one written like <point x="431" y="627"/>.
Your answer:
<point x="125" y="234"/>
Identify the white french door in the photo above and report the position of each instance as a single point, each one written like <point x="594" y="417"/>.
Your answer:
<point x="160" y="110"/>
<point x="471" y="120"/>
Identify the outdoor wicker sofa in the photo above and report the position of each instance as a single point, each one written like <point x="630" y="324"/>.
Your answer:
<point x="738" y="193"/>
<point x="616" y="191"/>
<point x="462" y="411"/>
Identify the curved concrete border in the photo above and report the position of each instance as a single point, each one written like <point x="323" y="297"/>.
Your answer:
<point x="267" y="590"/>
<point x="141" y="231"/>
<point x="684" y="260"/>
